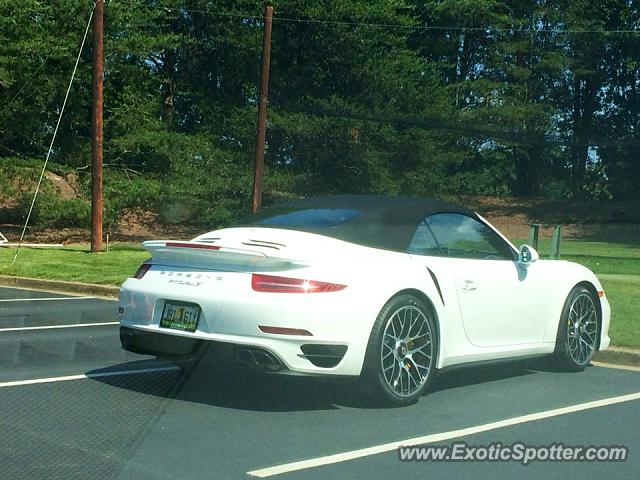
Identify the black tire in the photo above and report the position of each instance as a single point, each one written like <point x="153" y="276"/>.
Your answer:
<point x="565" y="357"/>
<point x="375" y="386"/>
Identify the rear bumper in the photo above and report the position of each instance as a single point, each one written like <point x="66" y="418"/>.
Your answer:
<point x="157" y="344"/>
<point x="231" y="316"/>
<point x="259" y="358"/>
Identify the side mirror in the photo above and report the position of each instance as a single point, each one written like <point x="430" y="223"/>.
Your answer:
<point x="527" y="255"/>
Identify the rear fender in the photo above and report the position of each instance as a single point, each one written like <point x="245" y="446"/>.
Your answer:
<point x="412" y="279"/>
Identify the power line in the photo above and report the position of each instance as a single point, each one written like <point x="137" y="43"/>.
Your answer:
<point x="53" y="138"/>
<point x="486" y="29"/>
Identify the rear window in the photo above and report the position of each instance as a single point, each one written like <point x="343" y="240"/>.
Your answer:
<point x="309" y="218"/>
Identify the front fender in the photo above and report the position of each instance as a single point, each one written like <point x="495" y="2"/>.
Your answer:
<point x="572" y="274"/>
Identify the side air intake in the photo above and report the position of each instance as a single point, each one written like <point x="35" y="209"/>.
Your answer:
<point x="324" y="356"/>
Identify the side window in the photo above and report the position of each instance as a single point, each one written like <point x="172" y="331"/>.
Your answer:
<point x="459" y="236"/>
<point x="424" y="243"/>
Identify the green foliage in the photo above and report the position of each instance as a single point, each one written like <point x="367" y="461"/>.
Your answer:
<point x="503" y="97"/>
<point x="51" y="211"/>
<point x="18" y="179"/>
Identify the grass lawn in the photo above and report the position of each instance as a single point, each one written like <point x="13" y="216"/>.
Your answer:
<point x="75" y="264"/>
<point x="619" y="265"/>
<point x="602" y="257"/>
<point x="624" y="297"/>
<point x="599" y="257"/>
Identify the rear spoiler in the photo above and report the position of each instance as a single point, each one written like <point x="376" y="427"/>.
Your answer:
<point x="206" y="256"/>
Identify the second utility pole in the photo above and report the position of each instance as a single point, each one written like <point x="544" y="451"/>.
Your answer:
<point x="262" y="110"/>
<point x="96" y="130"/>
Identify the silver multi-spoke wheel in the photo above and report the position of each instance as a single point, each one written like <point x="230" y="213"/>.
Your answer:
<point x="402" y="352"/>
<point x="407" y="350"/>
<point x="578" y="330"/>
<point x="582" y="328"/>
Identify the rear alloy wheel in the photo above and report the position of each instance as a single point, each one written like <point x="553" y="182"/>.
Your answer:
<point x="578" y="332"/>
<point x="402" y="351"/>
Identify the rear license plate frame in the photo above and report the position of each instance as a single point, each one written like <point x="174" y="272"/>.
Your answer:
<point x="181" y="324"/>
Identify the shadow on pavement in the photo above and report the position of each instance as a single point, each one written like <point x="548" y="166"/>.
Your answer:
<point x="212" y="381"/>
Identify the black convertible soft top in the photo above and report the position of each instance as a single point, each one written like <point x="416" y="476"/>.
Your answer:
<point x="378" y="221"/>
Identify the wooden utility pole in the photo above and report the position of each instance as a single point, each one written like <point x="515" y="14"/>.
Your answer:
<point x="262" y="109"/>
<point x="96" y="130"/>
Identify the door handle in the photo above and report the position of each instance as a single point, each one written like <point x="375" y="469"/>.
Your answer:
<point x="469" y="286"/>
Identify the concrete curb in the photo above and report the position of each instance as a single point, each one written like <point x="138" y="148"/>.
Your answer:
<point x="615" y="355"/>
<point x="106" y="291"/>
<point x="619" y="356"/>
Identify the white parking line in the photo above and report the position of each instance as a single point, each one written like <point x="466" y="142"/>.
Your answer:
<point x="87" y="375"/>
<point x="52" y="327"/>
<point x="436" y="437"/>
<point x="44" y="299"/>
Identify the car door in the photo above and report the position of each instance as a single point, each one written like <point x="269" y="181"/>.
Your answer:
<point x="501" y="301"/>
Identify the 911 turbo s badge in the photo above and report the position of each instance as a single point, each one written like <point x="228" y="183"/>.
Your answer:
<point x="186" y="283"/>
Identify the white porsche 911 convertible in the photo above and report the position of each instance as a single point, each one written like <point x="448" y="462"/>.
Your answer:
<point x="389" y="289"/>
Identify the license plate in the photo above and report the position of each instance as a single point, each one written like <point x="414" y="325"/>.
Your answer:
<point x="180" y="316"/>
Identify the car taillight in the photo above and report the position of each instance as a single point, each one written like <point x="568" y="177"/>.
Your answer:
<point x="275" y="284"/>
<point x="142" y="269"/>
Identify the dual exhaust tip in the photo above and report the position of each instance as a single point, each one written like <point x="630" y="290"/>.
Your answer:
<point x="257" y="358"/>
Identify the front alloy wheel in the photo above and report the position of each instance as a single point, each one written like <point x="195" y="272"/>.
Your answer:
<point x="578" y="331"/>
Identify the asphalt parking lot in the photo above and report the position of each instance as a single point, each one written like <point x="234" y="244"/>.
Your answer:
<point x="75" y="405"/>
